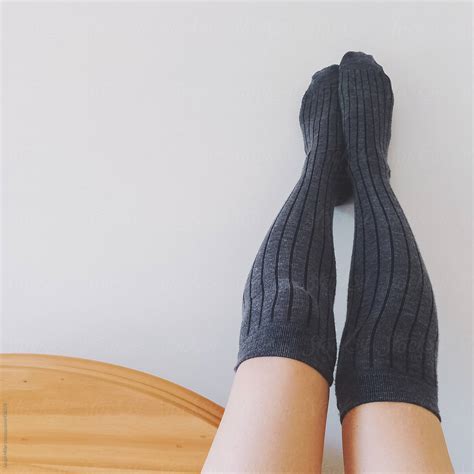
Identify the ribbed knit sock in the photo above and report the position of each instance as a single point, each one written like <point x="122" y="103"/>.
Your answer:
<point x="289" y="294"/>
<point x="389" y="344"/>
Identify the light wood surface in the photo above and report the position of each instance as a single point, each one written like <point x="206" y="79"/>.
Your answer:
<point x="64" y="414"/>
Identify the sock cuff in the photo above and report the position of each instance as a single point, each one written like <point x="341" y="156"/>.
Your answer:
<point x="290" y="341"/>
<point x="356" y="388"/>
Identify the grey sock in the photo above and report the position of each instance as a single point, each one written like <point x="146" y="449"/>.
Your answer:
<point x="390" y="341"/>
<point x="289" y="294"/>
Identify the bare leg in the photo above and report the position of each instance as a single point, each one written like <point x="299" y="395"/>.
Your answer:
<point x="274" y="420"/>
<point x="393" y="437"/>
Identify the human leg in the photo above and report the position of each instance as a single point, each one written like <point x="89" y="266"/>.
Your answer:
<point x="275" y="418"/>
<point x="389" y="346"/>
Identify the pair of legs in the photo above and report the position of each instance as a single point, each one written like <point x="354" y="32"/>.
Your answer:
<point x="386" y="378"/>
<point x="275" y="421"/>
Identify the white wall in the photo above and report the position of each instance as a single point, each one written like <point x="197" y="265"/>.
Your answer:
<point x="147" y="148"/>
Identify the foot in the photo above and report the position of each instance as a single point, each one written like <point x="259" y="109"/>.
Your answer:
<point x="309" y="122"/>
<point x="366" y="100"/>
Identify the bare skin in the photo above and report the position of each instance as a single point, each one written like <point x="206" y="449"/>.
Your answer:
<point x="393" y="437"/>
<point x="275" y="421"/>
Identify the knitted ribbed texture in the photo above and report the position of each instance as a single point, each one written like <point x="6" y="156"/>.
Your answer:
<point x="390" y="340"/>
<point x="289" y="293"/>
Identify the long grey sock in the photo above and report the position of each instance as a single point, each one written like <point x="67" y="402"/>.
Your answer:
<point x="389" y="344"/>
<point x="289" y="293"/>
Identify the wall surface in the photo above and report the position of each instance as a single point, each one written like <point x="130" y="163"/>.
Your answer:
<point x="148" y="147"/>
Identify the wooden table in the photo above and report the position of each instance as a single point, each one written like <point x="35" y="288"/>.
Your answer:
<point x="64" y="414"/>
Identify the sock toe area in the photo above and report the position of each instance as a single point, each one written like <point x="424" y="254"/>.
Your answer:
<point x="353" y="59"/>
<point x="328" y="75"/>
